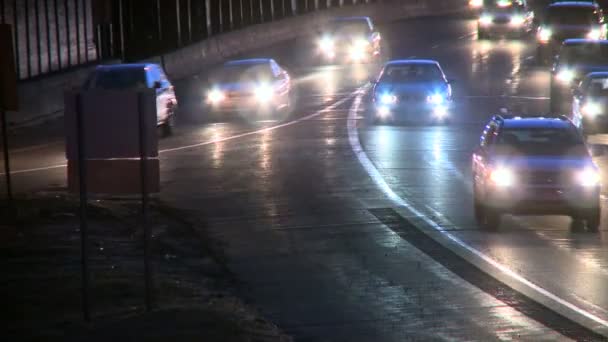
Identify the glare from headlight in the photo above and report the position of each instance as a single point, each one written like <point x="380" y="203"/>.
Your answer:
<point x="215" y="96"/>
<point x="565" y="76"/>
<point x="383" y="111"/>
<point x="326" y="44"/>
<point x="388" y="99"/>
<point x="594" y="34"/>
<point x="485" y="19"/>
<point x="544" y="34"/>
<point x="440" y="111"/>
<point x="502" y="177"/>
<point x="357" y="53"/>
<point x="589" y="177"/>
<point x="476" y="3"/>
<point x="435" y="99"/>
<point x="361" y="43"/>
<point x="264" y="93"/>
<point x="517" y="20"/>
<point x="592" y="109"/>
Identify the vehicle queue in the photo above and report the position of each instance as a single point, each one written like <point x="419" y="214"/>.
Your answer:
<point x="523" y="165"/>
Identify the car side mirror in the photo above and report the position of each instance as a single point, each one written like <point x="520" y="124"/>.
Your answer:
<point x="157" y="85"/>
<point x="597" y="150"/>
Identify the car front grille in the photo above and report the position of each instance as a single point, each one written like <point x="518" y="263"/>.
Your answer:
<point x="412" y="97"/>
<point x="545" y="178"/>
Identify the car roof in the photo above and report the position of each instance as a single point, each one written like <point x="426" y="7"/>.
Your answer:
<point x="249" y="61"/>
<point x="584" y="4"/>
<point x="535" y="122"/>
<point x="411" y="61"/>
<point x="126" y="66"/>
<point x="581" y="41"/>
<point x="597" y="74"/>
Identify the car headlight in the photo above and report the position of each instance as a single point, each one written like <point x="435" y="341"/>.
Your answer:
<point x="383" y="111"/>
<point x="476" y="3"/>
<point x="215" y="96"/>
<point x="565" y="76"/>
<point x="485" y="19"/>
<point x="595" y="34"/>
<point x="588" y="177"/>
<point x="502" y="177"/>
<point x="440" y="111"/>
<point x="544" y="34"/>
<point x="264" y="93"/>
<point x="435" y="99"/>
<point x="387" y="99"/>
<point x="592" y="109"/>
<point x="517" y="20"/>
<point x="326" y="44"/>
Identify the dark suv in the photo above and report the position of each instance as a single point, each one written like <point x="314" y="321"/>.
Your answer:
<point x="505" y="18"/>
<point x="577" y="58"/>
<point x="534" y="166"/>
<point x="568" y="19"/>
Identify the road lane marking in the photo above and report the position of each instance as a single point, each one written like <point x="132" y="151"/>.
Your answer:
<point x="214" y="141"/>
<point x="376" y="176"/>
<point x="522" y="97"/>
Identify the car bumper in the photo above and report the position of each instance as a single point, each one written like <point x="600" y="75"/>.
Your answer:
<point x="412" y="112"/>
<point x="501" y="29"/>
<point x="544" y="201"/>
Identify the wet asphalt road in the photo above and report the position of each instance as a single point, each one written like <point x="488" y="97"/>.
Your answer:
<point x="315" y="237"/>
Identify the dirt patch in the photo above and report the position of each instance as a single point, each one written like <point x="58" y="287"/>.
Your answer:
<point x="40" y="259"/>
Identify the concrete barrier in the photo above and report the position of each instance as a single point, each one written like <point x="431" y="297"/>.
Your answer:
<point x="42" y="99"/>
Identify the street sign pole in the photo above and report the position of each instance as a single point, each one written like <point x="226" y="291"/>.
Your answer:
<point x="82" y="179"/>
<point x="7" y="164"/>
<point x="143" y="165"/>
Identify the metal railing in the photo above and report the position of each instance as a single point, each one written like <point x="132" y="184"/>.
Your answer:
<point x="56" y="35"/>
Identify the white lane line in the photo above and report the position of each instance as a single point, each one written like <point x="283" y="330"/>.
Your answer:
<point x="372" y="171"/>
<point x="468" y="35"/>
<point x="507" y="97"/>
<point x="214" y="141"/>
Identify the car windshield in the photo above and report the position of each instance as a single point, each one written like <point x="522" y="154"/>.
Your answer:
<point x="349" y="27"/>
<point x="120" y="78"/>
<point x="590" y="54"/>
<point x="411" y="73"/>
<point x="571" y="16"/>
<point x="244" y="73"/>
<point x="540" y="140"/>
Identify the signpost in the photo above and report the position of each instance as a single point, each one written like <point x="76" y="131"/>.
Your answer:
<point x="8" y="97"/>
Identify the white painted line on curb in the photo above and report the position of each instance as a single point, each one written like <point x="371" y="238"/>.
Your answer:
<point x="372" y="171"/>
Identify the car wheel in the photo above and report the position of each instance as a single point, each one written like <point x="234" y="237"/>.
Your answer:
<point x="592" y="219"/>
<point x="167" y="127"/>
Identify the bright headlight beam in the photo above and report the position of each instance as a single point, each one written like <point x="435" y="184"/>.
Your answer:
<point x="388" y="99"/>
<point x="476" y="3"/>
<point x="591" y="109"/>
<point x="594" y="34"/>
<point x="215" y="96"/>
<point x="565" y="76"/>
<point x="435" y="99"/>
<point x="485" y="19"/>
<point x="264" y="93"/>
<point x="589" y="177"/>
<point x="517" y="20"/>
<point x="326" y="44"/>
<point x="502" y="177"/>
<point x="544" y="34"/>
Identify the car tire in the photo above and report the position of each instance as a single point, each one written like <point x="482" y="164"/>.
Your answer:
<point x="167" y="127"/>
<point x="592" y="219"/>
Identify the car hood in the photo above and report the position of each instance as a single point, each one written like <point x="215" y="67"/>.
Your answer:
<point x="411" y="87"/>
<point x="237" y="86"/>
<point x="552" y="163"/>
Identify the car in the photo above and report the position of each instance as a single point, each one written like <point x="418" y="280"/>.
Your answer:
<point x="565" y="20"/>
<point x="590" y="104"/>
<point x="139" y="75"/>
<point x="414" y="90"/>
<point x="505" y="18"/>
<point x="246" y="86"/>
<point x="576" y="58"/>
<point x="534" y="166"/>
<point x="349" y="40"/>
<point x="475" y="6"/>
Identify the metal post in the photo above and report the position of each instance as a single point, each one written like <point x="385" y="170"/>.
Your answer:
<point x="82" y="187"/>
<point x="99" y="49"/>
<point x="77" y="26"/>
<point x="158" y="21"/>
<point x="143" y="158"/>
<point x="16" y="36"/>
<point x="122" y="30"/>
<point x="28" y="53"/>
<point x="57" y="37"/>
<point x="179" y="24"/>
<point x="38" y="40"/>
<point x="7" y="165"/>
<point x="189" y="14"/>
<point x="48" y="35"/>
<point x="86" y="30"/>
